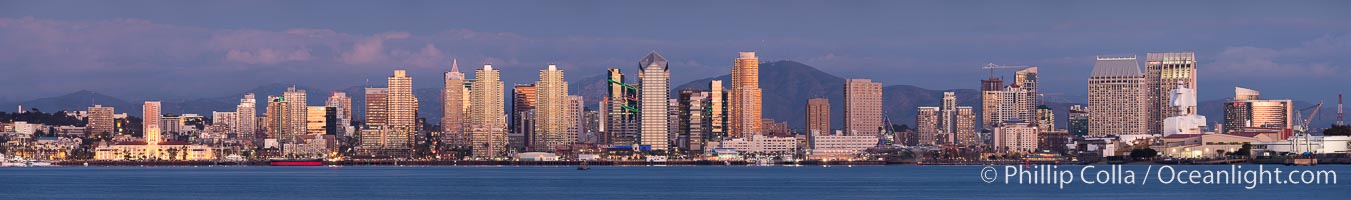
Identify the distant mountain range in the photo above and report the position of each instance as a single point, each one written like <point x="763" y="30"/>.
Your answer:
<point x="786" y="87"/>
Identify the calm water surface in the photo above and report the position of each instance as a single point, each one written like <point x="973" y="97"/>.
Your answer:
<point x="674" y="182"/>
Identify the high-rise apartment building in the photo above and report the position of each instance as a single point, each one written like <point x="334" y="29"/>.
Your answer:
<point x="574" y="120"/>
<point x="1045" y="118"/>
<point x="401" y="106"/>
<point x="316" y="121"/>
<point x="452" y="113"/>
<point x="278" y="120"/>
<point x="818" y="116"/>
<point x="296" y="111"/>
<point x="862" y="107"/>
<point x="151" y="111"/>
<point x="100" y="120"/>
<point x="1116" y="98"/>
<point x="1163" y="73"/>
<point x="376" y="108"/>
<point x="927" y="125"/>
<point x="1016" y="136"/>
<point x="551" y="106"/>
<point x="744" y="106"/>
<point x="247" y="122"/>
<point x="487" y="115"/>
<point x="655" y="81"/>
<point x="964" y="131"/>
<point x="1014" y="101"/>
<point x="524" y="98"/>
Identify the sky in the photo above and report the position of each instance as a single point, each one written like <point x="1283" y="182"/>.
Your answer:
<point x="168" y="50"/>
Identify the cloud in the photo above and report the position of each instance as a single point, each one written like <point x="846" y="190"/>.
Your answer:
<point x="1317" y="58"/>
<point x="267" y="56"/>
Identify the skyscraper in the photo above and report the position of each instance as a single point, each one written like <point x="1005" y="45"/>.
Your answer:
<point x="524" y="98"/>
<point x="574" y="120"/>
<point x="1163" y="73"/>
<point x="296" y="112"/>
<point x="1116" y="98"/>
<point x="992" y="91"/>
<point x="487" y="117"/>
<point x="376" y="110"/>
<point x="818" y="116"/>
<point x="278" y="123"/>
<point x="551" y="116"/>
<point x="717" y="113"/>
<point x="151" y="111"/>
<point x="247" y="122"/>
<point x="621" y="124"/>
<point x="949" y="111"/>
<point x="342" y="104"/>
<point x="654" y="80"/>
<point x="100" y="120"/>
<point x="744" y="106"/>
<point x="401" y="105"/>
<point x="1045" y="118"/>
<point x="316" y="123"/>
<point x="694" y="119"/>
<point x="452" y="113"/>
<point x="862" y="107"/>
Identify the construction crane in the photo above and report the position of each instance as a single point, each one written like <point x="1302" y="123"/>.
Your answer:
<point x="993" y="66"/>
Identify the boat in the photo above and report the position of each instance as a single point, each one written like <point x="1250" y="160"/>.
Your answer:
<point x="584" y="166"/>
<point x="296" y="162"/>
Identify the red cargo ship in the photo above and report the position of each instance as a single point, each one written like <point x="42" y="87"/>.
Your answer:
<point x="297" y="162"/>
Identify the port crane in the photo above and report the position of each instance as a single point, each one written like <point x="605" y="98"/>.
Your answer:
<point x="1302" y="128"/>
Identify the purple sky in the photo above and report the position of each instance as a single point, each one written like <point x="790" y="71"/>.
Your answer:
<point x="176" y="50"/>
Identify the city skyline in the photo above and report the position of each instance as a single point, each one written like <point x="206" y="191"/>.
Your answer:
<point x="1231" y="49"/>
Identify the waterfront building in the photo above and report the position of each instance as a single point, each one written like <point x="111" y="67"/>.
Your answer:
<point x="1016" y="136"/>
<point x="654" y="79"/>
<point x="150" y="110"/>
<point x="838" y="146"/>
<point x="757" y="144"/>
<point x="1248" y="110"/>
<point x="1116" y="98"/>
<point x="818" y="116"/>
<point x="744" y="103"/>
<point x="862" y="107"/>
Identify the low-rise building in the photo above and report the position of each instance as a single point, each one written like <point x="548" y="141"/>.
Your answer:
<point x="758" y="144"/>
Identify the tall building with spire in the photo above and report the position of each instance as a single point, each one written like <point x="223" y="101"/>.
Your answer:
<point x="744" y="106"/>
<point x="551" y="117"/>
<point x="1163" y="73"/>
<point x="655" y="83"/>
<point x="247" y="122"/>
<point x="862" y="107"/>
<point x="818" y="116"/>
<point x="1116" y="98"/>
<point x="487" y="117"/>
<point x="452" y="113"/>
